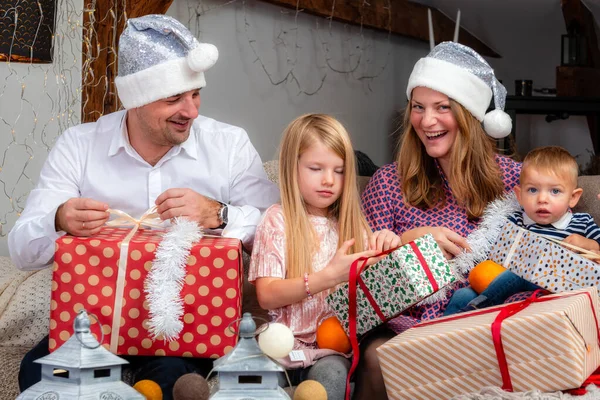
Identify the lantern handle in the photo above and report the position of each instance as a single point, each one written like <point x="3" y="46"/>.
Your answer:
<point x="256" y="332"/>
<point x="78" y="333"/>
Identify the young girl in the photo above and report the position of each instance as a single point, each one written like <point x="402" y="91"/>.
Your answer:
<point x="305" y="246"/>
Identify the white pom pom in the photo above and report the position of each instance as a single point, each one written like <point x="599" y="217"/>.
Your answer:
<point x="203" y="57"/>
<point x="277" y="341"/>
<point x="497" y="124"/>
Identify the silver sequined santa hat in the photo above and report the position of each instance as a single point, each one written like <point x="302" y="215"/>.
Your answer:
<point x="463" y="75"/>
<point x="159" y="58"/>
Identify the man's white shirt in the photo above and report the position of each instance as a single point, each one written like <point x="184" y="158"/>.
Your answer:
<point x="96" y="161"/>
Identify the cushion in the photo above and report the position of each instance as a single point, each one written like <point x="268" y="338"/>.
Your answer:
<point x="589" y="202"/>
<point x="24" y="305"/>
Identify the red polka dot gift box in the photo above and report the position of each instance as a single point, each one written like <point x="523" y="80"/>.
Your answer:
<point x="87" y="275"/>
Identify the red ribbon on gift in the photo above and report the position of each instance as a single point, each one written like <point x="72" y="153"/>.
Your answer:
<point x="508" y="311"/>
<point x="369" y="296"/>
<point x="593" y="379"/>
<point x="355" y="279"/>
<point x="423" y="263"/>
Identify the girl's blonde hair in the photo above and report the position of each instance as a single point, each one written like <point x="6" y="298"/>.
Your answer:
<point x="301" y="239"/>
<point x="474" y="176"/>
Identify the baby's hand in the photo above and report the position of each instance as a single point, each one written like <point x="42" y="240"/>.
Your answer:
<point x="384" y="240"/>
<point x="596" y="259"/>
<point x="580" y="241"/>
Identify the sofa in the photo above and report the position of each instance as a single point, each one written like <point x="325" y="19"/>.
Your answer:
<point x="24" y="306"/>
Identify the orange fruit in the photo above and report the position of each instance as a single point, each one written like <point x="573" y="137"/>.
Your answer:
<point x="149" y="388"/>
<point x="331" y="335"/>
<point x="483" y="274"/>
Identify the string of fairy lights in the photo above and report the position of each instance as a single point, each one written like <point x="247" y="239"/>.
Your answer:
<point x="39" y="101"/>
<point x="342" y="49"/>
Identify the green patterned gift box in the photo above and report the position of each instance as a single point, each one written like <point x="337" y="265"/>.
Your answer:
<point x="405" y="277"/>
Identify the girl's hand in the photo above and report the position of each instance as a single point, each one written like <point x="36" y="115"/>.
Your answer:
<point x="451" y="243"/>
<point x="384" y="240"/>
<point x="340" y="264"/>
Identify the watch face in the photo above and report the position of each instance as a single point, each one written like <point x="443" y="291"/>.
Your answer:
<point x="225" y="214"/>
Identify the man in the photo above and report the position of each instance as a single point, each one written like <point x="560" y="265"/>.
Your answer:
<point x="158" y="151"/>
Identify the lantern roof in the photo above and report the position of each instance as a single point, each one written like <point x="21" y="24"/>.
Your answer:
<point x="246" y="355"/>
<point x="82" y="350"/>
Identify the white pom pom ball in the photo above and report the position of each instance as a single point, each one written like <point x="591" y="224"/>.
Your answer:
<point x="276" y="341"/>
<point x="202" y="57"/>
<point x="497" y="124"/>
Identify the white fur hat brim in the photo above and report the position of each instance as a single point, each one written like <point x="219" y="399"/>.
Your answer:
<point x="455" y="82"/>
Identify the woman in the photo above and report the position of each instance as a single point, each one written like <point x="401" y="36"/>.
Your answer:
<point x="447" y="171"/>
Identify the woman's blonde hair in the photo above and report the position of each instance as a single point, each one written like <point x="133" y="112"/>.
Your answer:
<point x="474" y="176"/>
<point x="301" y="239"/>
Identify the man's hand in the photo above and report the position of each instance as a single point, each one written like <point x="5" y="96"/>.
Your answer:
<point x="81" y="217"/>
<point x="187" y="203"/>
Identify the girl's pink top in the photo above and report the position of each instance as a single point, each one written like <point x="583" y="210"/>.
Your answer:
<point x="269" y="260"/>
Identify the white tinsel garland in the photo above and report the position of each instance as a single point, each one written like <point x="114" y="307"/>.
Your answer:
<point x="481" y="240"/>
<point x="165" y="280"/>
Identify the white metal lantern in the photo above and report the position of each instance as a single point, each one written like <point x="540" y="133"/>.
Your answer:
<point x="246" y="373"/>
<point x="81" y="369"/>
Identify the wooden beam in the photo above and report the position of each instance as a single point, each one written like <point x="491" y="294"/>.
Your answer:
<point x="396" y="16"/>
<point x="138" y="8"/>
<point x="102" y="27"/>
<point x="580" y="80"/>
<point x="579" y="17"/>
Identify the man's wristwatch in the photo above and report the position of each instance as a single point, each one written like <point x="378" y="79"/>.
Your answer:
<point x="222" y="215"/>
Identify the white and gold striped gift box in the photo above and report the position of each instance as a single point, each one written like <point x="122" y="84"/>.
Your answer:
<point x="550" y="345"/>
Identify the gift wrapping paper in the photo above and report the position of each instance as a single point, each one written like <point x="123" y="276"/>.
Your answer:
<point x="549" y="346"/>
<point x="85" y="273"/>
<point x="395" y="283"/>
<point x="543" y="262"/>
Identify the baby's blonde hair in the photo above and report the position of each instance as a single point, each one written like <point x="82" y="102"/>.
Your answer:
<point x="301" y="240"/>
<point x="554" y="160"/>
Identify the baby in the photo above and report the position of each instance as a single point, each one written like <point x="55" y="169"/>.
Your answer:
<point x="547" y="191"/>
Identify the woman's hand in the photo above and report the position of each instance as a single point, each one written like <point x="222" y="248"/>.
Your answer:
<point x="451" y="243"/>
<point x="339" y="266"/>
<point x="384" y="240"/>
